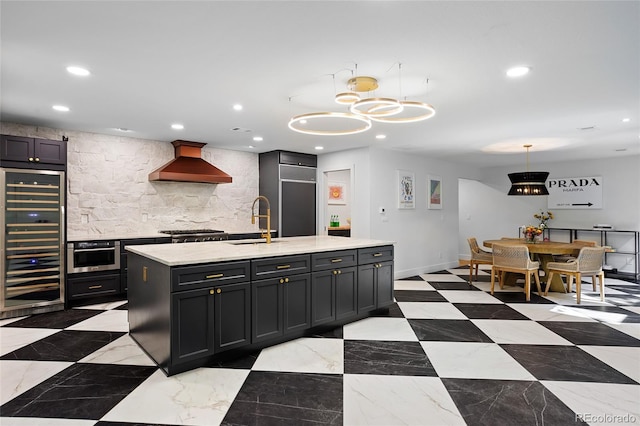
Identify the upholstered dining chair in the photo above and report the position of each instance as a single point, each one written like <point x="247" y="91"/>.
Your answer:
<point x="514" y="258"/>
<point x="568" y="257"/>
<point x="478" y="257"/>
<point x="588" y="262"/>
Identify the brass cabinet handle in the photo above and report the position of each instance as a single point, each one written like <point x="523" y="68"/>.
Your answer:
<point x="144" y="274"/>
<point x="218" y="290"/>
<point x="336" y="260"/>
<point x="339" y="271"/>
<point x="211" y="291"/>
<point x="214" y="276"/>
<point x="94" y="287"/>
<point x="377" y="254"/>
<point x="286" y="280"/>
<point x="335" y="272"/>
<point x="37" y="159"/>
<point x="283" y="266"/>
<point x="31" y="159"/>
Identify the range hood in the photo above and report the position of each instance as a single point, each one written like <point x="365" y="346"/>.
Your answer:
<point x="188" y="166"/>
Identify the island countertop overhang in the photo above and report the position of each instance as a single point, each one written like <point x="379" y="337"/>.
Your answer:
<point x="223" y="251"/>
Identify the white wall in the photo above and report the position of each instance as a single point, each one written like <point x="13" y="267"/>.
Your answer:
<point x="109" y="192"/>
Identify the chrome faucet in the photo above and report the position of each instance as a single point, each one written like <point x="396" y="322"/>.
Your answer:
<point x="263" y="234"/>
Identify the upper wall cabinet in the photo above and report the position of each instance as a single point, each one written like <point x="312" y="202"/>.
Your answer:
<point x="32" y="153"/>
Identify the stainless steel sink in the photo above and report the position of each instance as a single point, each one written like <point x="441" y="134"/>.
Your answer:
<point x="243" y="243"/>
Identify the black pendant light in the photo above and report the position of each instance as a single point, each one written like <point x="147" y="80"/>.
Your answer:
<point x="528" y="183"/>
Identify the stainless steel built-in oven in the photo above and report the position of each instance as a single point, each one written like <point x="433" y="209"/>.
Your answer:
<point x="91" y="256"/>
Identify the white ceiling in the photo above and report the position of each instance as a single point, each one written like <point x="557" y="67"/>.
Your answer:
<point x="158" y="63"/>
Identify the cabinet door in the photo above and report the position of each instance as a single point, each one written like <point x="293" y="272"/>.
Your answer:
<point x="81" y="286"/>
<point x="346" y="293"/>
<point x="367" y="287"/>
<point x="323" y="307"/>
<point x="266" y="307"/>
<point x="384" y="282"/>
<point x="297" y="303"/>
<point x="192" y="325"/>
<point x="16" y="148"/>
<point x="50" y="152"/>
<point x="232" y="316"/>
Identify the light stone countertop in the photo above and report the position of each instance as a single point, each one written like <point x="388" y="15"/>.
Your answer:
<point x="220" y="251"/>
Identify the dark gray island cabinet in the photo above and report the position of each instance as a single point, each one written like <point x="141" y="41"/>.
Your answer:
<point x="190" y="315"/>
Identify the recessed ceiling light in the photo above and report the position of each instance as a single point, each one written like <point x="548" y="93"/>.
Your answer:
<point x="626" y="120"/>
<point x="319" y="148"/>
<point x="237" y="107"/>
<point x="381" y="136"/>
<point x="251" y="146"/>
<point x="82" y="72"/>
<point x="60" y="108"/>
<point x="177" y="126"/>
<point x="518" y="71"/>
<point x="257" y="138"/>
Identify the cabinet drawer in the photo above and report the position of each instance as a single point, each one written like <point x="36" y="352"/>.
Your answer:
<point x="298" y="159"/>
<point x="280" y="266"/>
<point x="334" y="259"/>
<point x="194" y="277"/>
<point x="85" y="285"/>
<point x="375" y="254"/>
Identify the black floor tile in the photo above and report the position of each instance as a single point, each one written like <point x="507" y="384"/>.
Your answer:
<point x="386" y="358"/>
<point x="451" y="286"/>
<point x="66" y="345"/>
<point x="123" y="307"/>
<point x="564" y="363"/>
<point x="392" y="312"/>
<point x="447" y="331"/>
<point x="508" y="402"/>
<point x="590" y="333"/>
<point x="82" y="391"/>
<point x="519" y="297"/>
<point x="270" y="398"/>
<point x="243" y="361"/>
<point x="618" y="314"/>
<point x="623" y="299"/>
<point x="58" y="319"/>
<point x="489" y="311"/>
<point x="413" y="278"/>
<point x="418" y="296"/>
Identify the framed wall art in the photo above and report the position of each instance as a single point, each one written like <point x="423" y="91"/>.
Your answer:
<point x="434" y="197"/>
<point x="406" y="190"/>
<point x="337" y="193"/>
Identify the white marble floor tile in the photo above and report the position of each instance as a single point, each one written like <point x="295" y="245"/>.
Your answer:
<point x="197" y="397"/>
<point x="19" y="376"/>
<point x="519" y="332"/>
<point x="430" y="310"/>
<point x="598" y="403"/>
<point x="548" y="312"/>
<point x="464" y="272"/>
<point x="474" y="361"/>
<point x="624" y="359"/>
<point x="586" y="299"/>
<point x="116" y="320"/>
<point x="412" y="285"/>
<point x="397" y="400"/>
<point x="630" y="328"/>
<point x="32" y="421"/>
<point x="122" y="351"/>
<point x="12" y="338"/>
<point x="10" y="320"/>
<point x="375" y="328"/>
<point x="635" y="309"/>
<point x="471" y="296"/>
<point x="304" y="355"/>
<point x="104" y="306"/>
<point x="443" y="278"/>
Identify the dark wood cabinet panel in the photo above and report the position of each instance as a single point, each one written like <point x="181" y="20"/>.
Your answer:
<point x="192" y="325"/>
<point x="18" y="151"/>
<point x="334" y="259"/>
<point x="323" y="296"/>
<point x="346" y="293"/>
<point x="297" y="303"/>
<point x="80" y="286"/>
<point x="232" y="316"/>
<point x="366" y="288"/>
<point x="267" y="310"/>
<point x="384" y="285"/>
<point x="192" y="277"/>
<point x="280" y="266"/>
<point x="298" y="159"/>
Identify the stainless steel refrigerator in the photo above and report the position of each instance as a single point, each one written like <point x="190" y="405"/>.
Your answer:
<point x="32" y="255"/>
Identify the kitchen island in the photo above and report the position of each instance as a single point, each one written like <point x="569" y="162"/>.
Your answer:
<point x="194" y="304"/>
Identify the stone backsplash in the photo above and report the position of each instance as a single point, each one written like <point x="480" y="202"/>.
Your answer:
<point x="109" y="192"/>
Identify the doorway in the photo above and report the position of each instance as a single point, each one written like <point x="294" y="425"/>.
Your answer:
<point x="336" y="199"/>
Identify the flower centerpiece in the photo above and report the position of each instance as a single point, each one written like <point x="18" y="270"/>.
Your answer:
<point x="531" y="232"/>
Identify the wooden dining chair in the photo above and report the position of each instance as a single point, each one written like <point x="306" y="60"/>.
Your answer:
<point x="515" y="258"/>
<point x="588" y="262"/>
<point x="478" y="257"/>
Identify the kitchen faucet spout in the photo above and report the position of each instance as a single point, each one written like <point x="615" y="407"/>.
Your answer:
<point x="263" y="234"/>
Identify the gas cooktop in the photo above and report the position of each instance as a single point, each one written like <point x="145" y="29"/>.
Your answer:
<point x="191" y="231"/>
<point x="195" y="235"/>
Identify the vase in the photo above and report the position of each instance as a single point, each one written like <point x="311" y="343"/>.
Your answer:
<point x="529" y="240"/>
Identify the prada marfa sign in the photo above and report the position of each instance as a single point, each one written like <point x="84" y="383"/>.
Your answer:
<point x="575" y="193"/>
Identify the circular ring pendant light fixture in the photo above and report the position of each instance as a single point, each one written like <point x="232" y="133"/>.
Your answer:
<point x="376" y="107"/>
<point x="428" y="112"/>
<point x="362" y="123"/>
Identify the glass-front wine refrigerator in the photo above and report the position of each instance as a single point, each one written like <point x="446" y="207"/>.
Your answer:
<point x="32" y="263"/>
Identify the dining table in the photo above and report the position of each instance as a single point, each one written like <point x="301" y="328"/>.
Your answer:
<point x="542" y="251"/>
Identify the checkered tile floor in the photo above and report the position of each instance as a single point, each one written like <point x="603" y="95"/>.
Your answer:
<point x="447" y="353"/>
